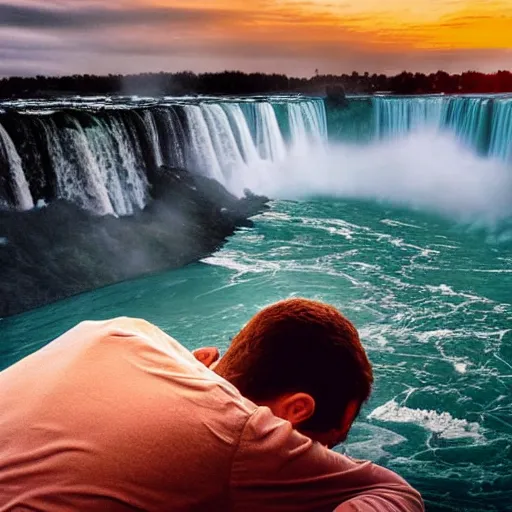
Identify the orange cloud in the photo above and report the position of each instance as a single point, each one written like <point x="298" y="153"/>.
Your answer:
<point x="406" y="25"/>
<point x="291" y="36"/>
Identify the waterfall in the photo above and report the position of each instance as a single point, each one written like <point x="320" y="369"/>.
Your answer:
<point x="171" y="136"/>
<point x="307" y="124"/>
<point x="482" y="123"/>
<point x="130" y="171"/>
<point x="104" y="158"/>
<point x="79" y="177"/>
<point x="10" y="156"/>
<point x="242" y="132"/>
<point x="298" y="130"/>
<point x="150" y="123"/>
<point x="469" y="119"/>
<point x="317" y="118"/>
<point x="501" y="138"/>
<point x="248" y="109"/>
<point x="269" y="139"/>
<point x="103" y="149"/>
<point x="235" y="142"/>
<point x="223" y="139"/>
<point x="395" y="117"/>
<point x="202" y="156"/>
<point x="96" y="164"/>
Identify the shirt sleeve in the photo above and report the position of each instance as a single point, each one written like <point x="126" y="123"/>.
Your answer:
<point x="276" y="469"/>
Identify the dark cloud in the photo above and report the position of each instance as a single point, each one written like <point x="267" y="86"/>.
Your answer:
<point x="103" y="58"/>
<point x="303" y="57"/>
<point x="9" y="55"/>
<point x="37" y="17"/>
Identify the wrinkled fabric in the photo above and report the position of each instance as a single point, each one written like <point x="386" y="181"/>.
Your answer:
<point x="118" y="416"/>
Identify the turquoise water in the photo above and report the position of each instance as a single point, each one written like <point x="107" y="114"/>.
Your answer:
<point x="431" y="298"/>
<point x="414" y="245"/>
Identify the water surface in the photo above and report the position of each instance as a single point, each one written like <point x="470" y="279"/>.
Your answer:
<point x="431" y="298"/>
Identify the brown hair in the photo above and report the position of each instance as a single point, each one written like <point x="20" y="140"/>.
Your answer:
<point x="300" y="345"/>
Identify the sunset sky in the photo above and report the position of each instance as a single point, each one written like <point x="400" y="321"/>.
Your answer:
<point x="286" y="36"/>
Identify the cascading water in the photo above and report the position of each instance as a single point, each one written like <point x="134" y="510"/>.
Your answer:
<point x="501" y="132"/>
<point x="103" y="159"/>
<point x="94" y="163"/>
<point x="397" y="116"/>
<point x="131" y="170"/>
<point x="242" y="133"/>
<point x="237" y="143"/>
<point x="308" y="125"/>
<point x="269" y="139"/>
<point x="12" y="160"/>
<point x="100" y="139"/>
<point x="223" y="139"/>
<point x="79" y="178"/>
<point x="171" y="136"/>
<point x="151" y="127"/>
<point x="481" y="123"/>
<point x="469" y="119"/>
<point x="202" y="156"/>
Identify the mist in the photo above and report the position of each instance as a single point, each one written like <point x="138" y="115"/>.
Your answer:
<point x="428" y="171"/>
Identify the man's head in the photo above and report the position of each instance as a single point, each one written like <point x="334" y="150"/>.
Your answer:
<point x="304" y="360"/>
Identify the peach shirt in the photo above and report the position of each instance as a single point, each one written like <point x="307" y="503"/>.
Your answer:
<point x="117" y="416"/>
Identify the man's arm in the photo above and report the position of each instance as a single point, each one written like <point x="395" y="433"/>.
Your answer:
<point x="277" y="469"/>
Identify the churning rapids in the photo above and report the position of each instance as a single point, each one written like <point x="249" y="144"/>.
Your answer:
<point x="396" y="210"/>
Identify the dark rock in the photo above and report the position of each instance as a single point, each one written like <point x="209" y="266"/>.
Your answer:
<point x="61" y="250"/>
<point x="336" y="96"/>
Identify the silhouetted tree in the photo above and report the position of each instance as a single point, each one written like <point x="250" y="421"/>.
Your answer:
<point x="238" y="83"/>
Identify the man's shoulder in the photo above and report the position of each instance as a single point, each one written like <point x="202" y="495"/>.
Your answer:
<point x="125" y="332"/>
<point x="160" y="352"/>
<point x="276" y="464"/>
<point x="122" y="325"/>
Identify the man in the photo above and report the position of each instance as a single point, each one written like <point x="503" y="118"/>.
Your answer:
<point x="118" y="416"/>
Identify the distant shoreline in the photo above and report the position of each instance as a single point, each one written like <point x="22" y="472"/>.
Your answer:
<point x="234" y="83"/>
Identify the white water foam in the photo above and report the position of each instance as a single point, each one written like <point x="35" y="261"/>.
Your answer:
<point x="372" y="448"/>
<point x="443" y="424"/>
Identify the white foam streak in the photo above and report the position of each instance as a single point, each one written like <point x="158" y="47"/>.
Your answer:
<point x="442" y="423"/>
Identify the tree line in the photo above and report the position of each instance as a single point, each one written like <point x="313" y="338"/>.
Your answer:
<point x="239" y="83"/>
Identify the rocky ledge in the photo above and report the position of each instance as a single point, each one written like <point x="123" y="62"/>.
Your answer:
<point x="50" y="253"/>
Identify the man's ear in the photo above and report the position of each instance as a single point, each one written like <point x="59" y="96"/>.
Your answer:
<point x="295" y="408"/>
<point x="207" y="355"/>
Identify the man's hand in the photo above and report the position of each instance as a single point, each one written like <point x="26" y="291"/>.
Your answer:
<point x="208" y="356"/>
